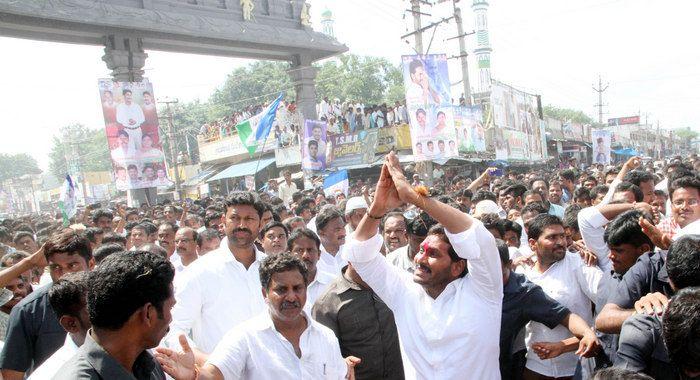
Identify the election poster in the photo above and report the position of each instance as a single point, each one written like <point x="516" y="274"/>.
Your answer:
<point x="429" y="106"/>
<point x="469" y="125"/>
<point x="131" y="124"/>
<point x="349" y="149"/>
<point x="516" y="115"/>
<point x="313" y="150"/>
<point x="601" y="146"/>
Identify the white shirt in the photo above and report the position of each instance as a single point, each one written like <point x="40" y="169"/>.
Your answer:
<point x="317" y="287"/>
<point x="256" y="350"/>
<point x="455" y="335"/>
<point x="329" y="263"/>
<point x="286" y="191"/>
<point x="214" y="294"/>
<point x="130" y="111"/>
<point x="591" y="223"/>
<point x="399" y="258"/>
<point x="49" y="368"/>
<point x="574" y="285"/>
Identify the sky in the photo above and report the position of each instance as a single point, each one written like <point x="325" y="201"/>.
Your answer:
<point x="641" y="48"/>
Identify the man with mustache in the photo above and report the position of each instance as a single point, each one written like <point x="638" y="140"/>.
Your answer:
<point x="19" y="288"/>
<point x="393" y="229"/>
<point x="305" y="245"/>
<point x="281" y="342"/>
<point x="453" y="299"/>
<point x="222" y="288"/>
<point x="567" y="279"/>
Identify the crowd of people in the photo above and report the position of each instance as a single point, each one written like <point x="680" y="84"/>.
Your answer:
<point x="345" y="117"/>
<point x="530" y="274"/>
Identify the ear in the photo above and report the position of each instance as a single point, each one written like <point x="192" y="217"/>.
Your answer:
<point x="91" y="263"/>
<point x="532" y="243"/>
<point x="69" y="323"/>
<point x="643" y="249"/>
<point x="458" y="267"/>
<point x="148" y="313"/>
<point x="264" y="292"/>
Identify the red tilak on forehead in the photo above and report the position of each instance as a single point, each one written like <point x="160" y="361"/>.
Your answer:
<point x="425" y="246"/>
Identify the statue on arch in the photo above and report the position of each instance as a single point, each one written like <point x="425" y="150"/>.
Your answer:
<point x="247" y="6"/>
<point x="305" y="14"/>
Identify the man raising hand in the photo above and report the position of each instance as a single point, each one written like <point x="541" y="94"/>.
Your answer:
<point x="443" y="307"/>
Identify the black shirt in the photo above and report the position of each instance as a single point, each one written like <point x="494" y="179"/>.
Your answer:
<point x="93" y="362"/>
<point x="647" y="275"/>
<point x="364" y="326"/>
<point x="33" y="333"/>
<point x="524" y="301"/>
<point x="641" y="348"/>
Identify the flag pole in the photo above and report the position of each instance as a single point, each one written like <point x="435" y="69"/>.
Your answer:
<point x="257" y="166"/>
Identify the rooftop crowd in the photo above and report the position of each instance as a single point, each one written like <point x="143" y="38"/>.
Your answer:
<point x="565" y="274"/>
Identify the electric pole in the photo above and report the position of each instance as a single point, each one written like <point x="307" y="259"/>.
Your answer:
<point x="171" y="144"/>
<point x="463" y="52"/>
<point x="415" y="10"/>
<point x="600" y="104"/>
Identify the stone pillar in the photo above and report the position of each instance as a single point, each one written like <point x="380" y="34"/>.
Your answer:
<point x="303" y="76"/>
<point x="125" y="57"/>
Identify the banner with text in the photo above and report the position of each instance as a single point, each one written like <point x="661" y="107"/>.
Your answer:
<point x="429" y="106"/>
<point x="352" y="148"/>
<point x="131" y="123"/>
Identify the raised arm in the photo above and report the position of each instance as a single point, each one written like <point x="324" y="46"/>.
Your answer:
<point x="37" y="259"/>
<point x="480" y="181"/>
<point x="631" y="164"/>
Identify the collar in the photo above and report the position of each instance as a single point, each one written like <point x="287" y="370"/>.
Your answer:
<point x="345" y="284"/>
<point x="227" y="256"/>
<point x="108" y="367"/>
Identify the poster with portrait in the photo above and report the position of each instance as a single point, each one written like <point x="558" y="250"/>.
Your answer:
<point x="429" y="106"/>
<point x="602" y="140"/>
<point x="469" y="125"/>
<point x="313" y="149"/>
<point x="131" y="124"/>
<point x="516" y="115"/>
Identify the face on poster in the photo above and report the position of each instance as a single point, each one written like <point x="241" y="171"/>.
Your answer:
<point x="471" y="133"/>
<point x="601" y="146"/>
<point x="429" y="106"/>
<point x="314" y="147"/>
<point x="131" y="124"/>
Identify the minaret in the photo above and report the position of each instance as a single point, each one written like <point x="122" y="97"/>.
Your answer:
<point x="327" y="22"/>
<point x="483" y="49"/>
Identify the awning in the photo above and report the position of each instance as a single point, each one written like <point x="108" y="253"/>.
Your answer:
<point x="243" y="169"/>
<point x="626" y="152"/>
<point x="200" y="177"/>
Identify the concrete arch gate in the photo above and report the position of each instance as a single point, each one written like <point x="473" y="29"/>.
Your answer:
<point x="255" y="29"/>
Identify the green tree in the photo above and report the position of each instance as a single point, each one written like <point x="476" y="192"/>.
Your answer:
<point x="371" y="80"/>
<point x="17" y="165"/>
<point x="569" y="114"/>
<point x="187" y="120"/>
<point x="686" y="134"/>
<point x="78" y="147"/>
<point x="259" y="82"/>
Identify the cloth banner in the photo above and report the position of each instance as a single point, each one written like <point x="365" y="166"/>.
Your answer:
<point x="469" y="123"/>
<point x="336" y="183"/>
<point x="601" y="146"/>
<point x="131" y="123"/>
<point x="429" y="105"/>
<point x="313" y="150"/>
<point x="352" y="148"/>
